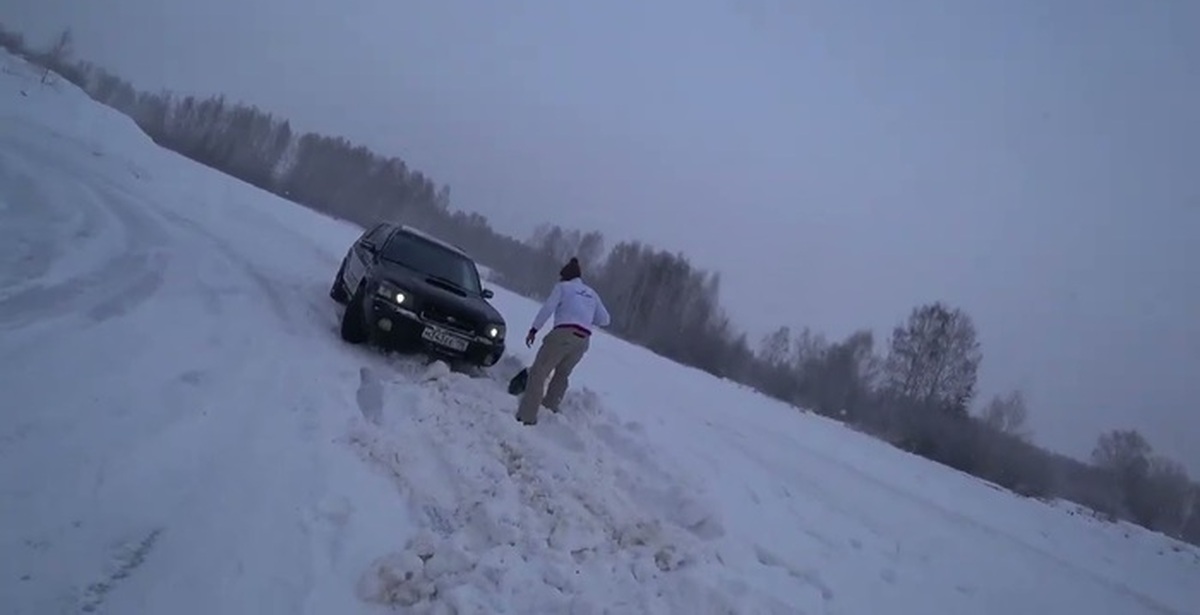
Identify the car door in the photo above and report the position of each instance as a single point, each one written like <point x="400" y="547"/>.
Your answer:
<point x="362" y="255"/>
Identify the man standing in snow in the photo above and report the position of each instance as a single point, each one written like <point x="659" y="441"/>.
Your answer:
<point x="576" y="308"/>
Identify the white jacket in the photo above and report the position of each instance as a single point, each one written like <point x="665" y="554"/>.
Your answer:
<point x="573" y="303"/>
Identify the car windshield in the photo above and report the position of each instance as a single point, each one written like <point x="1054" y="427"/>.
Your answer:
<point x="433" y="260"/>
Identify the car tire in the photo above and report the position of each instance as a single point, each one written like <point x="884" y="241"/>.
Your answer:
<point x="338" y="291"/>
<point x="354" y="323"/>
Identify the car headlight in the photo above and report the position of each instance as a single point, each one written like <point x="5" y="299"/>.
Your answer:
<point x="495" y="331"/>
<point x="391" y="292"/>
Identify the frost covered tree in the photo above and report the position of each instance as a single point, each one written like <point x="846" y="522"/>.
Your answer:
<point x="1155" y="491"/>
<point x="1124" y="453"/>
<point x="1162" y="501"/>
<point x="841" y="378"/>
<point x="934" y="358"/>
<point x="775" y="349"/>
<point x="1008" y="414"/>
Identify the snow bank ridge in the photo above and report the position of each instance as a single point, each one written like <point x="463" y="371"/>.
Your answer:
<point x="571" y="516"/>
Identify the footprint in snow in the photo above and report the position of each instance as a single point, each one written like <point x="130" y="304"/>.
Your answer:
<point x="809" y="577"/>
<point x="370" y="396"/>
<point x="560" y="433"/>
<point x="622" y="444"/>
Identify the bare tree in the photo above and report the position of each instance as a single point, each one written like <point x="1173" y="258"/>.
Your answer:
<point x="1191" y="521"/>
<point x="590" y="250"/>
<point x="1008" y="414"/>
<point x="843" y="376"/>
<point x="776" y="347"/>
<point x="1162" y="501"/>
<point x="934" y="359"/>
<point x="58" y="54"/>
<point x="1124" y="453"/>
<point x="1153" y="489"/>
<point x="809" y="346"/>
<point x="14" y="42"/>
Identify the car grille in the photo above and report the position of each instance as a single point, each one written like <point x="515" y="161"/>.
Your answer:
<point x="456" y="322"/>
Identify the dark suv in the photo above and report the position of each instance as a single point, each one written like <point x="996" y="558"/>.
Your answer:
<point x="405" y="289"/>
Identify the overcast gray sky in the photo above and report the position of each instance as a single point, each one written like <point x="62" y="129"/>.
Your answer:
<point x="1035" y="162"/>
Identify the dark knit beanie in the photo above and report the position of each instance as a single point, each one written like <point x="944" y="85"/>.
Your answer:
<point x="570" y="271"/>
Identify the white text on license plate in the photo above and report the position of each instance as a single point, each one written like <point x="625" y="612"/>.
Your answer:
<point x="442" y="338"/>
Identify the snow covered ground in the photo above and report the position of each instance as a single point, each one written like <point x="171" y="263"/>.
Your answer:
<point x="183" y="432"/>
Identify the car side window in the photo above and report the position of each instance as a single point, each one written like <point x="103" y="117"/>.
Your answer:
<point x="376" y="235"/>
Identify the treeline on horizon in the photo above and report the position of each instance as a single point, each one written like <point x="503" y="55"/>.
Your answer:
<point x="916" y="392"/>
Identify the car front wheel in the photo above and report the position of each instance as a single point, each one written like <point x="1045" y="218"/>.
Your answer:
<point x="338" y="290"/>
<point x="354" y="323"/>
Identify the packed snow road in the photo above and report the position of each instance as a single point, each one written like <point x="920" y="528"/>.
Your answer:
<point x="164" y="401"/>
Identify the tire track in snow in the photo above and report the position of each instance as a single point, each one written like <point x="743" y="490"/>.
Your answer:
<point x="29" y="245"/>
<point x="298" y="306"/>
<point x="127" y="560"/>
<point x="260" y="281"/>
<point x="241" y="450"/>
<point x="248" y="438"/>
<point x="115" y="283"/>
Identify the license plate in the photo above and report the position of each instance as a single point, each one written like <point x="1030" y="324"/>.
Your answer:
<point x="444" y="338"/>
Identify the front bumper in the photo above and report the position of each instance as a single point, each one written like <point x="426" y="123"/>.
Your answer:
<point x="394" y="326"/>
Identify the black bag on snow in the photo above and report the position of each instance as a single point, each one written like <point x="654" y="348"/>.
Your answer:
<point x="516" y="386"/>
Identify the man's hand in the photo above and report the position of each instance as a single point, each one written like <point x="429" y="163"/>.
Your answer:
<point x="530" y="337"/>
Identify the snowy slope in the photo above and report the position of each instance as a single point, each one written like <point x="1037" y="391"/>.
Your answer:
<point x="183" y="432"/>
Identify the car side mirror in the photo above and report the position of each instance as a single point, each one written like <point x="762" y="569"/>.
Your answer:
<point x="368" y="246"/>
<point x="488" y="294"/>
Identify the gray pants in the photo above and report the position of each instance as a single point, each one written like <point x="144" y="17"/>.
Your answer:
<point x="561" y="351"/>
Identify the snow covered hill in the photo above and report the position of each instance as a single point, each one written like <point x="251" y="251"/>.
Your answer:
<point x="183" y="432"/>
